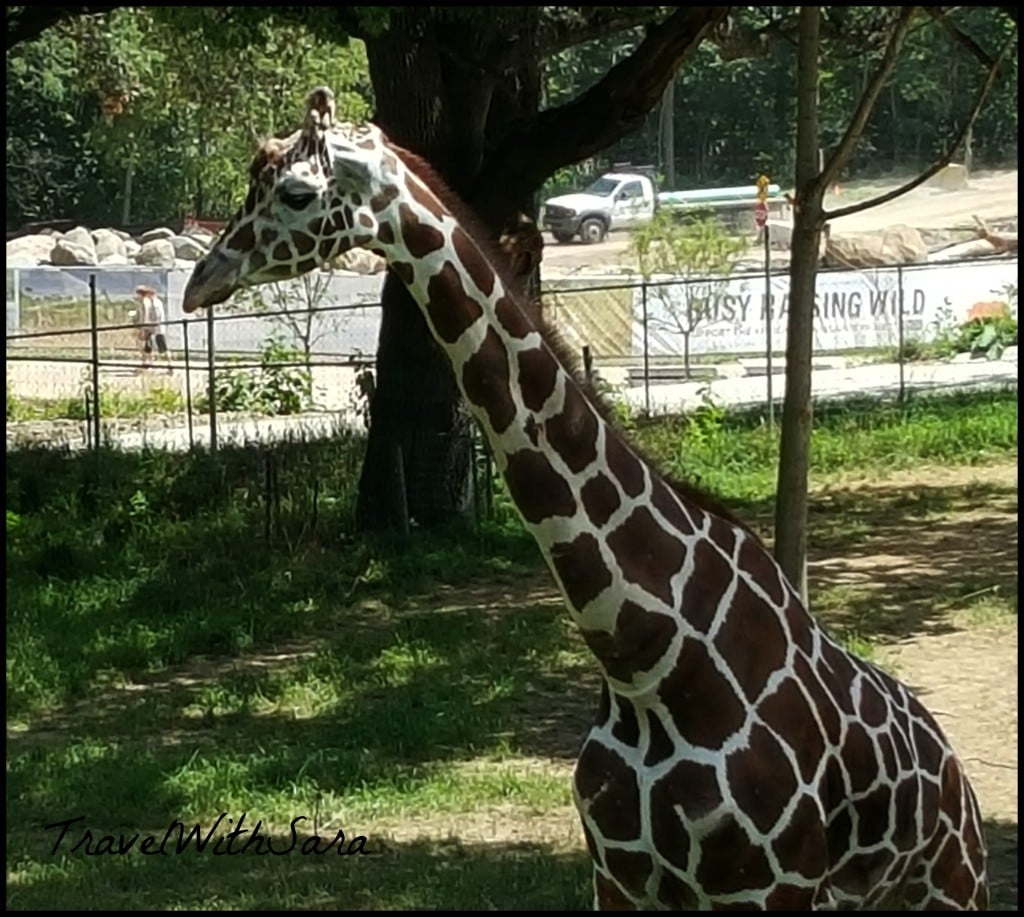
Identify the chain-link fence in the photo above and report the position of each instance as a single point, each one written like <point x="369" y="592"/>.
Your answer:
<point x="297" y="359"/>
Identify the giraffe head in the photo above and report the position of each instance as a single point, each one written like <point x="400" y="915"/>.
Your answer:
<point x="313" y="195"/>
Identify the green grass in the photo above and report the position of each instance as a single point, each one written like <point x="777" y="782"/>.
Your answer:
<point x="114" y="403"/>
<point x="736" y="454"/>
<point x="178" y="649"/>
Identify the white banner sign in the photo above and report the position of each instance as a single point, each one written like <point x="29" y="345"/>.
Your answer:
<point x="853" y="309"/>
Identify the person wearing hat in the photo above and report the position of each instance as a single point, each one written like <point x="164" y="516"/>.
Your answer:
<point x="153" y="321"/>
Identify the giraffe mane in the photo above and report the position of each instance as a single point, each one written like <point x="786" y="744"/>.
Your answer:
<point x="566" y="356"/>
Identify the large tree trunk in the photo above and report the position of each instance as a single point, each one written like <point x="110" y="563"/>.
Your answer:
<point x="436" y="105"/>
<point x="795" y="444"/>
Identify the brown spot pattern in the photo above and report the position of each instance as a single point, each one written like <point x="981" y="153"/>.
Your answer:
<point x="486" y="381"/>
<point x="609" y="896"/>
<point x="257" y="261"/>
<point x="573" y="432"/>
<point x="702" y="704"/>
<point x="791" y="719"/>
<point x="624" y="465"/>
<point x="386" y="233"/>
<point x="327" y="250"/>
<point x="609" y="784"/>
<point x="730" y="862"/>
<point x="674" y="893"/>
<point x="837" y="673"/>
<point x="659" y="746"/>
<point x="242" y="239"/>
<point x="419" y="238"/>
<point x="800" y="626"/>
<point x="600" y="499"/>
<point x="281" y="252"/>
<point x="752" y="639"/>
<point x="304" y="244"/>
<point x="631" y="869"/>
<point x="704" y="590"/>
<point x="874" y="710"/>
<point x="646" y="554"/>
<point x="820" y="701"/>
<point x="929" y="752"/>
<point x="473" y="261"/>
<point x="626" y="728"/>
<point x="404" y="271"/>
<point x="761" y="779"/>
<point x="859" y="757"/>
<point x="762" y="569"/>
<point x="424" y="197"/>
<point x="512" y="318"/>
<point x="800" y="846"/>
<point x="873" y="816"/>
<point x="641" y="638"/>
<point x="581" y="569"/>
<point x="666" y="503"/>
<point x="537" y="374"/>
<point x="450" y="310"/>
<point x="381" y="201"/>
<point x="536" y="488"/>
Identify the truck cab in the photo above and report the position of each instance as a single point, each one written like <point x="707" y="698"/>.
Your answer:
<point x="616" y="200"/>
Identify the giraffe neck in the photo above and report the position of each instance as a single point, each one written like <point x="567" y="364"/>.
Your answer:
<point x="622" y="545"/>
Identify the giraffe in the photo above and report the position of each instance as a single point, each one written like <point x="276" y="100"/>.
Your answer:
<point x="740" y="758"/>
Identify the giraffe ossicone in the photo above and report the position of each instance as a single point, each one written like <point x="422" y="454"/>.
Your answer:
<point x="740" y="758"/>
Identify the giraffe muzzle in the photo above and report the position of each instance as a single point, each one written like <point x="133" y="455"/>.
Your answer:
<point x="213" y="280"/>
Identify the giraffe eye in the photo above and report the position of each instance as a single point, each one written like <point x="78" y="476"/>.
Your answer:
<point x="296" y="198"/>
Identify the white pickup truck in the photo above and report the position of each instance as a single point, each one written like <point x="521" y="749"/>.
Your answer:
<point x="622" y="200"/>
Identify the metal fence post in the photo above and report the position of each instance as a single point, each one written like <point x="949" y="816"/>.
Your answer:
<point x="212" y="381"/>
<point x="188" y="382"/>
<point x="899" y="332"/>
<point x="95" y="341"/>
<point x="647" y="349"/>
<point x="768" y="323"/>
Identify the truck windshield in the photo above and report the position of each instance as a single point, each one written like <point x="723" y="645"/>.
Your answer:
<point x="603" y="187"/>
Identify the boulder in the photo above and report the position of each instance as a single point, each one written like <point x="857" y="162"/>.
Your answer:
<point x="131" y="248"/>
<point x="153" y="235"/>
<point x="202" y="235"/>
<point x="79" y="236"/>
<point x="21" y="260"/>
<point x="70" y="254"/>
<point x="35" y="248"/>
<point x="951" y="178"/>
<point x="187" y="248"/>
<point x="156" y="253"/>
<point x="898" y="244"/>
<point x="108" y="244"/>
<point x="360" y="261"/>
<point x="114" y="259"/>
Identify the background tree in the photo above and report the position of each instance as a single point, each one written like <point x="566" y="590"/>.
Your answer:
<point x="699" y="252"/>
<point x="892" y="26"/>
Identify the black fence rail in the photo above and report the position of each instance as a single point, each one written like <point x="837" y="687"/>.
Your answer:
<point x="77" y="373"/>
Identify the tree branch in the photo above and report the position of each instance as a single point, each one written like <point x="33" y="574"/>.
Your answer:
<point x="868" y="98"/>
<point x="563" y="27"/>
<point x="944" y="160"/>
<point x="941" y="15"/>
<point x="27" y="22"/>
<point x="609" y="110"/>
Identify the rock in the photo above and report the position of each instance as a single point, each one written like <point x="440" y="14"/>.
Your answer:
<point x="898" y="244"/>
<point x="203" y="236"/>
<point x="78" y="236"/>
<point x="21" y="260"/>
<point x="35" y="248"/>
<point x="1010" y="354"/>
<point x="360" y="261"/>
<point x="131" y="248"/>
<point x="121" y="234"/>
<point x="952" y="178"/>
<point x="161" y="232"/>
<point x="108" y="244"/>
<point x="156" y="253"/>
<point x="69" y="254"/>
<point x="187" y="249"/>
<point x="114" y="259"/>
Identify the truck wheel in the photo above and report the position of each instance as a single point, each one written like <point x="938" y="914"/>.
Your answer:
<point x="592" y="230"/>
<point x="563" y="237"/>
